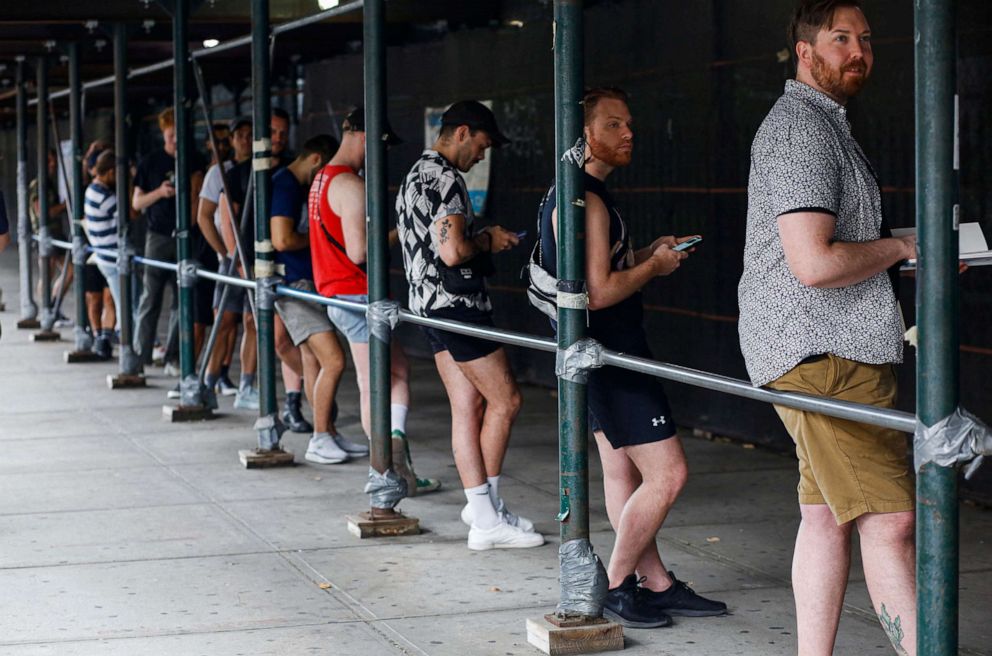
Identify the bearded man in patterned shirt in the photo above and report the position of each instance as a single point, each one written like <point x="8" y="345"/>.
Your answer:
<point x="819" y="315"/>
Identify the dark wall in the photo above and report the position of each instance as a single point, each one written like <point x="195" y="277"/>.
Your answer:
<point x="702" y="76"/>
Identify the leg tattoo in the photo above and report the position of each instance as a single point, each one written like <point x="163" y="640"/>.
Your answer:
<point x="893" y="629"/>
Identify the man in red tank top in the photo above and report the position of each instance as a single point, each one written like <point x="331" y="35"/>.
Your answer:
<point x="337" y="247"/>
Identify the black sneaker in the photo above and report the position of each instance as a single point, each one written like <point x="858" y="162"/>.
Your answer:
<point x="625" y="605"/>
<point x="682" y="600"/>
<point x="293" y="417"/>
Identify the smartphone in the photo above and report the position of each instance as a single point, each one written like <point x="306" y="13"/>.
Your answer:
<point x="688" y="244"/>
<point x="521" y="234"/>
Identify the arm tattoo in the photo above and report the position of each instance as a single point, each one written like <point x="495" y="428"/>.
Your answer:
<point x="893" y="629"/>
<point x="443" y="234"/>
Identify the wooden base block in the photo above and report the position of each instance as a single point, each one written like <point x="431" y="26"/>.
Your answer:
<point x="584" y="637"/>
<point x="180" y="413"/>
<point x="72" y="357"/>
<point x="29" y="324"/>
<point x="46" y="336"/>
<point x="124" y="381"/>
<point x="258" y="459"/>
<point x="363" y="525"/>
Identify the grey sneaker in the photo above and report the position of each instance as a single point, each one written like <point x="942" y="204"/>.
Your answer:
<point x="353" y="449"/>
<point x="324" y="451"/>
<point x="247" y="399"/>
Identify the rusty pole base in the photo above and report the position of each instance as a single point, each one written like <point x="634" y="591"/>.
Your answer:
<point x="581" y="635"/>
<point x="382" y="523"/>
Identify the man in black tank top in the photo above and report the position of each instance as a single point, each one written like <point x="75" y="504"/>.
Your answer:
<point x="644" y="465"/>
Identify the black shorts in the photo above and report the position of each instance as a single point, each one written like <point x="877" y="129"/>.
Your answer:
<point x="630" y="408"/>
<point x="93" y="280"/>
<point x="203" y="301"/>
<point x="461" y="347"/>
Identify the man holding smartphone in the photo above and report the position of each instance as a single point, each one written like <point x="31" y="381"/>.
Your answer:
<point x="644" y="466"/>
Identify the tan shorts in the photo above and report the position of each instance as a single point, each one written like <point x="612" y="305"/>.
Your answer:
<point x="852" y="467"/>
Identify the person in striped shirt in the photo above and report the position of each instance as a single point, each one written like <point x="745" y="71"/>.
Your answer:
<point x="100" y="224"/>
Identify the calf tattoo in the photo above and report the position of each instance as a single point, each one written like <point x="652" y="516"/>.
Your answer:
<point x="893" y="629"/>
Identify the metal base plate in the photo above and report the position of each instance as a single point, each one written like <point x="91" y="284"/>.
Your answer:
<point x="29" y="324"/>
<point x="574" y="637"/>
<point x="258" y="459"/>
<point x="364" y="525"/>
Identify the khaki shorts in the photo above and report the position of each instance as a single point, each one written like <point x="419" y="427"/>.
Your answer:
<point x="852" y="467"/>
<point x="302" y="319"/>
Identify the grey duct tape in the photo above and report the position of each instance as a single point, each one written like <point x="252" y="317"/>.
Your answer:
<point x="383" y="316"/>
<point x="582" y="579"/>
<point x="573" y="364"/>
<point x="130" y="363"/>
<point x="84" y="339"/>
<point x="189" y="392"/>
<point x="269" y="430"/>
<point x="265" y="292"/>
<point x="45" y="246"/>
<point x="187" y="273"/>
<point x="125" y="261"/>
<point x="576" y="155"/>
<point x="386" y="490"/>
<point x="958" y="438"/>
<point x="78" y="251"/>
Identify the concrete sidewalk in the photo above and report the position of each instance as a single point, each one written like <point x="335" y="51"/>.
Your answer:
<point x="123" y="534"/>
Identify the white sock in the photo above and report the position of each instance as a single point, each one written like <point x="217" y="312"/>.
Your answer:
<point x="483" y="513"/>
<point x="397" y="414"/>
<point x="494" y="490"/>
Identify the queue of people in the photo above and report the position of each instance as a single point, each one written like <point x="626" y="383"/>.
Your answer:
<point x="819" y="314"/>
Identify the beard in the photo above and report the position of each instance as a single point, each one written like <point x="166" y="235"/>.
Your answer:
<point x="611" y="156"/>
<point x="835" y="82"/>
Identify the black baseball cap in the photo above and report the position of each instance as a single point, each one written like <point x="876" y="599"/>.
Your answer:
<point x="477" y="117"/>
<point x="238" y="122"/>
<point x="355" y="122"/>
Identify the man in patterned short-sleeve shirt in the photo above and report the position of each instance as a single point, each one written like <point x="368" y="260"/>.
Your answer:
<point x="819" y="315"/>
<point x="436" y="230"/>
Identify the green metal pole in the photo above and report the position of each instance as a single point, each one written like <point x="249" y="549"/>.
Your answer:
<point x="268" y="425"/>
<point x="184" y="151"/>
<point x="573" y="436"/>
<point x="937" y="316"/>
<point x="129" y="363"/>
<point x="84" y="339"/>
<point x="375" y="207"/>
<point x="29" y="309"/>
<point x="44" y="245"/>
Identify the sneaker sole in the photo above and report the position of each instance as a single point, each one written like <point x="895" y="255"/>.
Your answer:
<point x="486" y="546"/>
<point x="320" y="460"/>
<point x="609" y="614"/>
<point x="678" y="612"/>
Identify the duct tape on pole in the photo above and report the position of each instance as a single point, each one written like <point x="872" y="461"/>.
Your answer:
<point x="957" y="439"/>
<point x="573" y="363"/>
<point x="383" y="317"/>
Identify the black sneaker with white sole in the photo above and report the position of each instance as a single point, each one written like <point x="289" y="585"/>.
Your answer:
<point x="625" y="605"/>
<point x="681" y="600"/>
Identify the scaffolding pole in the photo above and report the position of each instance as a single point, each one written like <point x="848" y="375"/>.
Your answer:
<point x="44" y="234"/>
<point x="937" y="316"/>
<point x="29" y="309"/>
<point x="83" y="338"/>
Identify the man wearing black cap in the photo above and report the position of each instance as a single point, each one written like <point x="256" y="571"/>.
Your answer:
<point x="446" y="259"/>
<point x="337" y="217"/>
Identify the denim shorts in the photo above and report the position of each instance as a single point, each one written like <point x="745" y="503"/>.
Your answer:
<point x="351" y="323"/>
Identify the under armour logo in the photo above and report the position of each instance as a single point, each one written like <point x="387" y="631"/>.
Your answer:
<point x="658" y="421"/>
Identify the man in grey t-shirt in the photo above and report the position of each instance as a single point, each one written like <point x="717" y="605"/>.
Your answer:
<point x="819" y="315"/>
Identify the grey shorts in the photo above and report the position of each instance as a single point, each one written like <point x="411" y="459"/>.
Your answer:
<point x="351" y="323"/>
<point x="237" y="298"/>
<point x="302" y="318"/>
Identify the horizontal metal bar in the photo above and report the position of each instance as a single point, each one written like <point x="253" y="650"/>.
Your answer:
<point x="155" y="264"/>
<point x="901" y="421"/>
<point x="58" y="243"/>
<point x="220" y="47"/>
<point x="230" y="280"/>
<point x="894" y="419"/>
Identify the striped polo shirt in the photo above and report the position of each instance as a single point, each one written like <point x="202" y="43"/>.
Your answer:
<point x="101" y="218"/>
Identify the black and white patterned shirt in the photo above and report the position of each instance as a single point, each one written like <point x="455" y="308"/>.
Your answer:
<point x="804" y="158"/>
<point x="432" y="190"/>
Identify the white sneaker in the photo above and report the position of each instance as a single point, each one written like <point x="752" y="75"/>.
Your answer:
<point x="324" y="451"/>
<point x="522" y="523"/>
<point x="171" y="369"/>
<point x="502" y="536"/>
<point x="349" y="447"/>
<point x="246" y="399"/>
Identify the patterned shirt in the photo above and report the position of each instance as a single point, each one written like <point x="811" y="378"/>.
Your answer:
<point x="804" y="158"/>
<point x="432" y="190"/>
<point x="100" y="209"/>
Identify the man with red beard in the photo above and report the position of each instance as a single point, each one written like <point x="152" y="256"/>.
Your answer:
<point x="819" y="315"/>
<point x="644" y="466"/>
